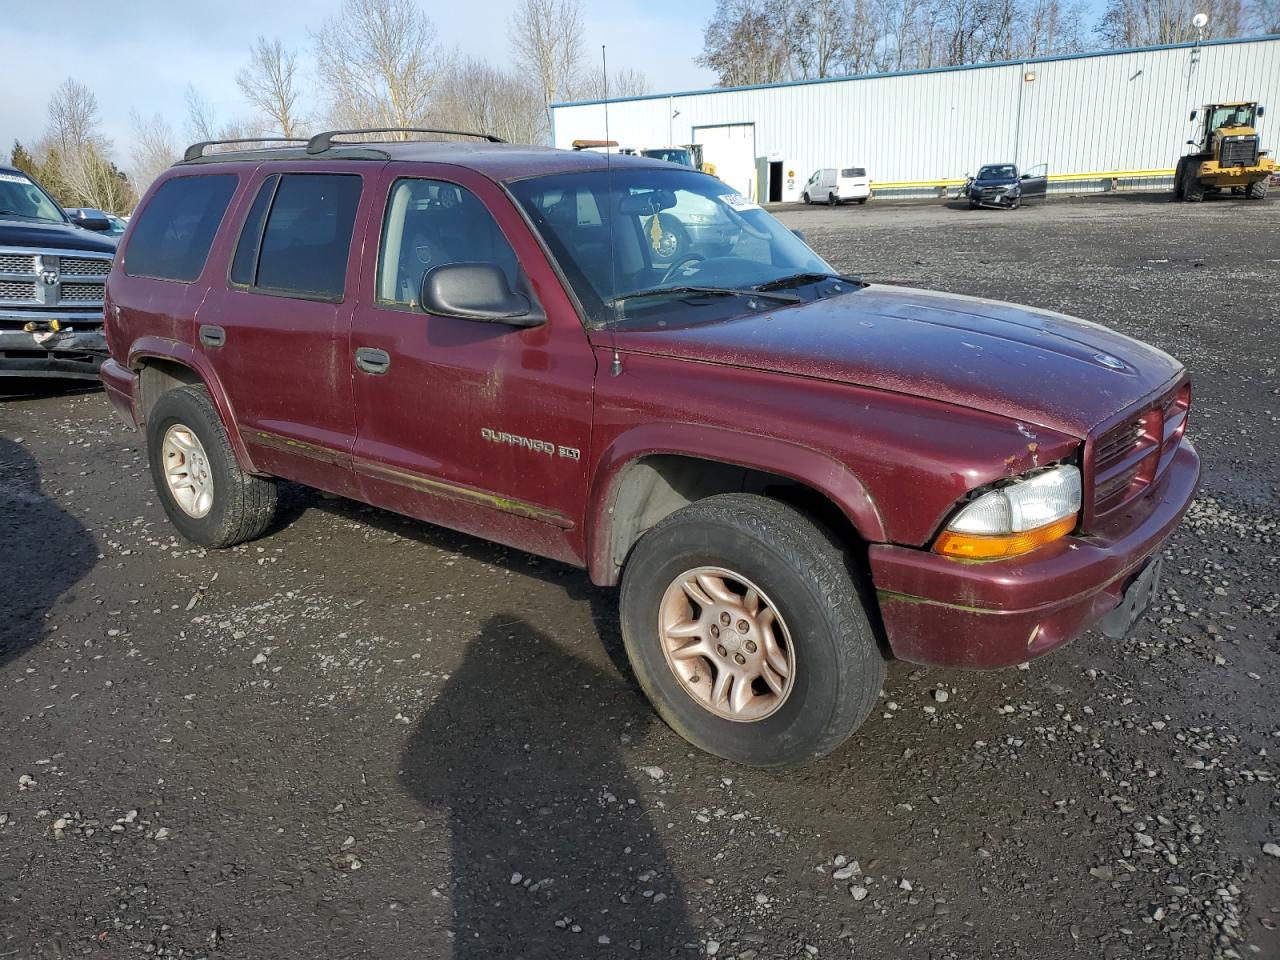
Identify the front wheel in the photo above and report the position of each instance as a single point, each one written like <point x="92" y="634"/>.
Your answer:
<point x="745" y="629"/>
<point x="208" y="498"/>
<point x="1258" y="190"/>
<point x="807" y="201"/>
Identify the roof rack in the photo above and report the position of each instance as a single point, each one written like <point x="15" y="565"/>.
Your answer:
<point x="196" y="150"/>
<point x="322" y="141"/>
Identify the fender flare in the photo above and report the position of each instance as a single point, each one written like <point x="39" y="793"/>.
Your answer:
<point x="807" y="466"/>
<point x="162" y="348"/>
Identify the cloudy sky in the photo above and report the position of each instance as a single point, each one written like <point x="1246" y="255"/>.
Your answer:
<point x="141" y="54"/>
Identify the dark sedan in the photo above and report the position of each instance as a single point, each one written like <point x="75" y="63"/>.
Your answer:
<point x="1000" y="186"/>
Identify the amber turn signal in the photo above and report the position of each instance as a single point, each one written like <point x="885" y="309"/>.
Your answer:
<point x="968" y="546"/>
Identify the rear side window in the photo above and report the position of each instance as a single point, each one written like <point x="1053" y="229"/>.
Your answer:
<point x="173" y="234"/>
<point x="297" y="235"/>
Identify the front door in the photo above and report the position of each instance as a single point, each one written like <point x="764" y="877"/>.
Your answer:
<point x="276" y="330"/>
<point x="1035" y="182"/>
<point x="478" y="426"/>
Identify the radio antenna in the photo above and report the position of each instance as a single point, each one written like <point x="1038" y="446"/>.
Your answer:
<point x="611" y="206"/>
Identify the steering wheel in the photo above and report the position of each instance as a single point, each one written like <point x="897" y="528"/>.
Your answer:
<point x="687" y="258"/>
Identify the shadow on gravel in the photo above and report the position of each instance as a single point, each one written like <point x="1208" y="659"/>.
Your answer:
<point x="44" y="551"/>
<point x="296" y="499"/>
<point x="37" y="388"/>
<point x="549" y="857"/>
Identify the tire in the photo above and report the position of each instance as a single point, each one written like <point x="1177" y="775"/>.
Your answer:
<point x="239" y="506"/>
<point x="1179" y="182"/>
<point x="833" y="200"/>
<point x="973" y="204"/>
<point x="1192" y="189"/>
<point x="673" y="241"/>
<point x="807" y="201"/>
<point x="1258" y="190"/>
<point x="863" y="200"/>
<point x="836" y="667"/>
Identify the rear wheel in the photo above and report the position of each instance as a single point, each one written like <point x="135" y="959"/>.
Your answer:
<point x="832" y="200"/>
<point x="208" y="498"/>
<point x="1258" y="190"/>
<point x="746" y="631"/>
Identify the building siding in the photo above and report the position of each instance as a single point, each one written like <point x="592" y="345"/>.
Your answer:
<point x="1122" y="111"/>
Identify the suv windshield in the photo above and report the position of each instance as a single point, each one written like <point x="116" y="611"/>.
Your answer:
<point x="998" y="171"/>
<point x="20" y="197"/>
<point x="633" y="232"/>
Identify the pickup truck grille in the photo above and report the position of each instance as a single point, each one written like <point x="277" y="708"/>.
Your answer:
<point x="42" y="280"/>
<point x="1239" y="151"/>
<point x="1132" y="455"/>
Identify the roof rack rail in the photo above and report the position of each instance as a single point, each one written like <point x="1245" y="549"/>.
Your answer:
<point x="322" y="141"/>
<point x="196" y="150"/>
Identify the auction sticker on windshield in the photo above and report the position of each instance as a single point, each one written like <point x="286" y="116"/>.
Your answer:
<point x="738" y="202"/>
<point x="13" y="178"/>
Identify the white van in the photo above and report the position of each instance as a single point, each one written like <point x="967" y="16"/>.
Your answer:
<point x="833" y="186"/>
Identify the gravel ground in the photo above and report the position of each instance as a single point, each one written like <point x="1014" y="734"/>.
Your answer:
<point x="363" y="736"/>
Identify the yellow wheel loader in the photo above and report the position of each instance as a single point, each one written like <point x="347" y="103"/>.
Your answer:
<point x="1227" y="155"/>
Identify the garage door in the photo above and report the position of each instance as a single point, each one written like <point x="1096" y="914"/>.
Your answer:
<point x="733" y="151"/>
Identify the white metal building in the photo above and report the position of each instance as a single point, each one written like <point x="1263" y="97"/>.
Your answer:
<point x="1095" y="119"/>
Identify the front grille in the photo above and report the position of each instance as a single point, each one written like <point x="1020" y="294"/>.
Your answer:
<point x="84" y="267"/>
<point x="1239" y="151"/>
<point x="82" y="292"/>
<point x="17" y="290"/>
<point x="1133" y="454"/>
<point x="45" y="279"/>
<point x="16" y="263"/>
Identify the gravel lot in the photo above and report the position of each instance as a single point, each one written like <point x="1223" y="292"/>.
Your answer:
<point x="362" y="736"/>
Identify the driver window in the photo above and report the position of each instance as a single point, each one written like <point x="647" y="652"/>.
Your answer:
<point x="430" y="223"/>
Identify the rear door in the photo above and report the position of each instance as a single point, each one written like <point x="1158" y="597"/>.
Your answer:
<point x="1035" y="182"/>
<point x="276" y="327"/>
<point x="477" y="426"/>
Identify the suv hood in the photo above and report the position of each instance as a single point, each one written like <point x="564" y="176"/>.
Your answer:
<point x="53" y="236"/>
<point x="1030" y="365"/>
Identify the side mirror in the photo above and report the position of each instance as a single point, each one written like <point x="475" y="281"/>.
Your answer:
<point x="90" y="219"/>
<point x="1193" y="114"/>
<point x="476" y="291"/>
<point x="1261" y="110"/>
<point x="1192" y="143"/>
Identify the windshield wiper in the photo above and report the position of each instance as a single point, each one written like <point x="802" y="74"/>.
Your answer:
<point x="798" y="279"/>
<point x="707" y="292"/>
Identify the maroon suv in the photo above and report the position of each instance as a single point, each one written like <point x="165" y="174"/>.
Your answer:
<point x="791" y="473"/>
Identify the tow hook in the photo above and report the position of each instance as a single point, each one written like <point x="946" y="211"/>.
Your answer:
<point x="42" y="326"/>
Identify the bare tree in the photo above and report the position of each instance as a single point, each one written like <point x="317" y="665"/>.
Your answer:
<point x="546" y="38"/>
<point x="379" y="63"/>
<point x="1264" y="16"/>
<point x="201" y="121"/>
<point x="745" y="42"/>
<point x="627" y="82"/>
<point x="73" y="117"/>
<point x="478" y="97"/>
<point x="153" y="149"/>
<point x="1128" y="23"/>
<point x="271" y="83"/>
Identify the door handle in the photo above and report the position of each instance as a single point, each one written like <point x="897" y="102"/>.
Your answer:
<point x="372" y="360"/>
<point x="212" y="336"/>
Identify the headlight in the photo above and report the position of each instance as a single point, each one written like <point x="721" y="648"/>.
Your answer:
<point x="1016" y="518"/>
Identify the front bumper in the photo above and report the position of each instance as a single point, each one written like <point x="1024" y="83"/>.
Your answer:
<point x="72" y="353"/>
<point x="941" y="611"/>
